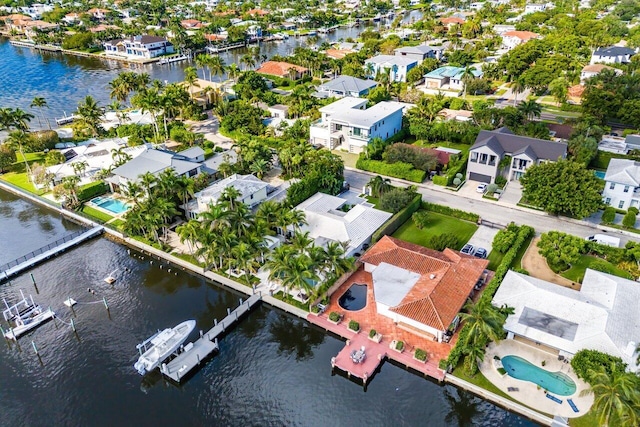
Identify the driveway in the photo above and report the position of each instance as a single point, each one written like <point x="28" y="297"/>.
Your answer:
<point x="468" y="190"/>
<point x="483" y="237"/>
<point x="512" y="194"/>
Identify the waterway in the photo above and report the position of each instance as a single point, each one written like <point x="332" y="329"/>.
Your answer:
<point x="273" y="369"/>
<point x="64" y="80"/>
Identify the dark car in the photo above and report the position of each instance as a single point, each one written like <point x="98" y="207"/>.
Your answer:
<point x="467" y="249"/>
<point x="480" y="253"/>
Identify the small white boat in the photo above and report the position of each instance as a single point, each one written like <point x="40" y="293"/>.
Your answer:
<point x="161" y="345"/>
<point x="172" y="59"/>
<point x="111" y="278"/>
<point x="66" y="119"/>
<point x="24" y="316"/>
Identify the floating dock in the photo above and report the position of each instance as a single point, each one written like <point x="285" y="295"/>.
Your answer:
<point x="196" y="352"/>
<point x="44" y="253"/>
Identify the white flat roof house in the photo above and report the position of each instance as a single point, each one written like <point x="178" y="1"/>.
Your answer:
<point x="349" y="124"/>
<point x="253" y="191"/>
<point x="326" y="222"/>
<point x="396" y="66"/>
<point x="622" y="184"/>
<point x="603" y="315"/>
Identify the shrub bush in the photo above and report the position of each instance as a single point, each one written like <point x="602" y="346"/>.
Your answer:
<point x="455" y="167"/>
<point x="372" y="333"/>
<point x="334" y="317"/>
<point x="399" y="345"/>
<point x="455" y="213"/>
<point x="395" y="170"/>
<point x="634" y="210"/>
<point x="603" y="266"/>
<point x="398" y="219"/>
<point x="395" y="199"/>
<point x="457" y="181"/>
<point x="420" y="219"/>
<point x="442" y="241"/>
<point x="501" y="181"/>
<point x="629" y="220"/>
<point x="354" y="326"/>
<point x="92" y="190"/>
<point x="586" y="361"/>
<point x="504" y="239"/>
<point x="609" y="215"/>
<point x="420" y="354"/>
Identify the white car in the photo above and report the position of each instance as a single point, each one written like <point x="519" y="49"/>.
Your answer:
<point x="481" y="188"/>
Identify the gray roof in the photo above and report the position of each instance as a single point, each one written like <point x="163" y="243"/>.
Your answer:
<point x="503" y="141"/>
<point x="391" y="284"/>
<point x="154" y="161"/>
<point x="347" y="84"/>
<point x="623" y="171"/>
<point x="420" y="49"/>
<point x="614" y="51"/>
<point x="212" y="164"/>
<point x="398" y="60"/>
<point x="192" y="153"/>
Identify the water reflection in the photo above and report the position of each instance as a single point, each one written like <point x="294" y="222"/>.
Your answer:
<point x="295" y="337"/>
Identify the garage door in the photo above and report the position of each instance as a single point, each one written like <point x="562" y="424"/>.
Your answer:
<point x="479" y="177"/>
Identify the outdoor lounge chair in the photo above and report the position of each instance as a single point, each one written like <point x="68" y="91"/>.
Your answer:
<point x="573" y="405"/>
<point x="555" y="399"/>
<point x="513" y="389"/>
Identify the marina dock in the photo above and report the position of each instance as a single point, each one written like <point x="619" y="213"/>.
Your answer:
<point x="44" y="253"/>
<point x="196" y="352"/>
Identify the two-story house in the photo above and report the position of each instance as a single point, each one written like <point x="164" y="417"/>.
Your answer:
<point x="511" y="39"/>
<point x="612" y="55"/>
<point x="420" y="52"/>
<point x="350" y="125"/>
<point x="139" y="47"/>
<point x="622" y="184"/>
<point x="396" y="66"/>
<point x="343" y="86"/>
<point x="448" y="78"/>
<point x="491" y="147"/>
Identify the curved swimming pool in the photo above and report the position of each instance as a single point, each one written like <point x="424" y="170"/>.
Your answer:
<point x="355" y="298"/>
<point x="554" y="382"/>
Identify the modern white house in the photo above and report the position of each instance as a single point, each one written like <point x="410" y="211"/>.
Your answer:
<point x="343" y="86"/>
<point x="537" y="7"/>
<point x="396" y="66"/>
<point x="511" y="39"/>
<point x="350" y="125"/>
<point x="422" y="290"/>
<point x="420" y="52"/>
<point x="139" y="47"/>
<point x="491" y="147"/>
<point x="328" y="222"/>
<point x="612" y="55"/>
<point x="253" y="191"/>
<point x="622" y="184"/>
<point x="603" y="315"/>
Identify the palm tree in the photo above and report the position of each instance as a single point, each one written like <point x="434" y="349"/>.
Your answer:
<point x="70" y="186"/>
<point x="259" y="167"/>
<point x="191" y="78"/>
<point x="474" y="353"/>
<point x="245" y="259"/>
<point x="120" y="87"/>
<point x="485" y="321"/>
<point x="216" y="66"/>
<point x="379" y="185"/>
<point x="190" y="232"/>
<point x="531" y="109"/>
<point x="230" y="195"/>
<point x="466" y="75"/>
<point x="617" y="397"/>
<point x="248" y="61"/>
<point x="90" y="114"/>
<point x="149" y="100"/>
<point x="185" y="190"/>
<point x="20" y="119"/>
<point x="40" y="103"/>
<point x="148" y="180"/>
<point x="202" y="61"/>
<point x="233" y="71"/>
<point x="16" y="140"/>
<point x="133" y="191"/>
<point x="301" y="242"/>
<point x="80" y="167"/>
<point x="517" y="87"/>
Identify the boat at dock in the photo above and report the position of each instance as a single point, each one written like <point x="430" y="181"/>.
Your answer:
<point x="171" y="59"/>
<point x="66" y="119"/>
<point x="157" y="348"/>
<point x="24" y="316"/>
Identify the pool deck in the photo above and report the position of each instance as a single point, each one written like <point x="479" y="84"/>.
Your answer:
<point x="527" y="392"/>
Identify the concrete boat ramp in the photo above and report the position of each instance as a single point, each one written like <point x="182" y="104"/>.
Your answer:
<point x="194" y="353"/>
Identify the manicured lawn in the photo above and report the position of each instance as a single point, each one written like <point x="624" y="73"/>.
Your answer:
<point x="95" y="213"/>
<point x="576" y="272"/>
<point x="481" y="381"/>
<point x="349" y="159"/>
<point x="495" y="258"/>
<point x="31" y="157"/>
<point x="118" y="223"/>
<point x="517" y="263"/>
<point x="373" y="200"/>
<point x="21" y="180"/>
<point x="588" y="420"/>
<point x="438" y="224"/>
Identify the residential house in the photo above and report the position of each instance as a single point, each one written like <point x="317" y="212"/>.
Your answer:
<point x="253" y="191"/>
<point x="396" y="66"/>
<point x="97" y="13"/>
<point x="500" y="29"/>
<point x="329" y="221"/>
<point x="511" y="39"/>
<point x="346" y="86"/>
<point x="213" y="164"/>
<point x="592" y="70"/>
<point x="622" y="184"/>
<point x="350" y="125"/>
<point x="337" y="53"/>
<point x="537" y="7"/>
<point x="71" y="18"/>
<point x="351" y="47"/>
<point x="602" y="315"/>
<point x="612" y="55"/>
<point x="139" y="47"/>
<point x="36" y="10"/>
<point x="448" y="78"/>
<point x="282" y="69"/>
<point x="191" y="24"/>
<point x="491" y="147"/>
<point x="278" y="111"/>
<point x="421" y="289"/>
<point x="451" y="21"/>
<point x="420" y="52"/>
<point x="153" y="161"/>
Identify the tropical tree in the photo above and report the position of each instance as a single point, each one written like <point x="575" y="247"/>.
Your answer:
<point x="191" y="78"/>
<point x="379" y="185"/>
<point x="484" y="322"/>
<point x="233" y="71"/>
<point x="248" y="61"/>
<point x="617" y="397"/>
<point x="474" y="354"/>
<point x="185" y="189"/>
<point x="19" y="119"/>
<point x="517" y="87"/>
<point x="466" y="76"/>
<point x="16" y="140"/>
<point x="531" y="109"/>
<point x="40" y="103"/>
<point x="190" y="232"/>
<point x="90" y="114"/>
<point x="216" y="66"/>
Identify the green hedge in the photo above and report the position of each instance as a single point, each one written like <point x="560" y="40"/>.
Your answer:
<point x="440" y="180"/>
<point x="446" y="210"/>
<point x="398" y="219"/>
<point x="92" y="190"/>
<point x="395" y="170"/>
<point x="523" y="234"/>
<point x="447" y="178"/>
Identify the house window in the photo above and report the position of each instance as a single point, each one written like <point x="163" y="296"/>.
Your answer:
<point x="492" y="160"/>
<point x="484" y="158"/>
<point x="612" y="186"/>
<point x="626" y="188"/>
<point x="338" y="127"/>
<point x="474" y="157"/>
<point x="607" y="200"/>
<point x="356" y="131"/>
<point x="621" y="204"/>
<point x="251" y="197"/>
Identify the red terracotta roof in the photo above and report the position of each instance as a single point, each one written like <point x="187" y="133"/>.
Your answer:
<point x="257" y="12"/>
<point x="447" y="279"/>
<point x="522" y="35"/>
<point x="576" y="91"/>
<point x="337" y="53"/>
<point x="452" y="20"/>
<point x="276" y="68"/>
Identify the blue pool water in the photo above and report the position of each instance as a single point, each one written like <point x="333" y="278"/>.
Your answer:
<point x="600" y="174"/>
<point x="554" y="382"/>
<point x="355" y="298"/>
<point x="112" y="205"/>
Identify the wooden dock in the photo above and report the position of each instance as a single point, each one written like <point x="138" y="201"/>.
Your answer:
<point x="52" y="249"/>
<point x="194" y="353"/>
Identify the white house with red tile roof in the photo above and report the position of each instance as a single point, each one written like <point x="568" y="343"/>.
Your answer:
<point x="281" y="69"/>
<point x="452" y="20"/>
<point x="421" y="289"/>
<point x="511" y="39"/>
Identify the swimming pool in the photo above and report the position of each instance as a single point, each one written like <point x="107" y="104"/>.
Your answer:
<point x="554" y="382"/>
<point x="600" y="174"/>
<point x="355" y="298"/>
<point x="112" y="205"/>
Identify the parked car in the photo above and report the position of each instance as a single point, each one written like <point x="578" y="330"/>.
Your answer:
<point x="480" y="253"/>
<point x="467" y="249"/>
<point x="481" y="188"/>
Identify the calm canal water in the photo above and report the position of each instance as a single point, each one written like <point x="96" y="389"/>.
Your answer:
<point x="273" y="369"/>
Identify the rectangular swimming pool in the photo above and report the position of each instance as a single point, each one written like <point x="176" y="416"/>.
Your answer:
<point x="112" y="205"/>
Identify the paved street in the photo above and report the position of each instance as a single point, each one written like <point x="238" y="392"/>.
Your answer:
<point x="495" y="212"/>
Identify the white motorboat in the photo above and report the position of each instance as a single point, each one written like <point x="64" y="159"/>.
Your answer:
<point x="161" y="345"/>
<point x="24" y="316"/>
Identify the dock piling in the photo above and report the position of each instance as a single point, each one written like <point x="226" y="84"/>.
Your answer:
<point x="35" y="349"/>
<point x="73" y="326"/>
